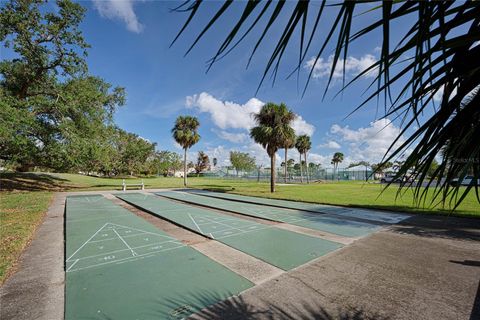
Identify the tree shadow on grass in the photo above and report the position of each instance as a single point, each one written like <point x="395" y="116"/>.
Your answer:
<point x="236" y="307"/>
<point x="216" y="188"/>
<point x="30" y="181"/>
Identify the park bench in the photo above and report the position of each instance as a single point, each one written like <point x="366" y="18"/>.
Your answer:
<point x="125" y="185"/>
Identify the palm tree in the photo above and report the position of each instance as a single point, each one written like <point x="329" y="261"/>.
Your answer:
<point x="273" y="122"/>
<point x="303" y="145"/>
<point x="337" y="158"/>
<point x="300" y="146"/>
<point x="289" y="143"/>
<point x="185" y="133"/>
<point x="442" y="64"/>
<point x="308" y="146"/>
<point x="286" y="132"/>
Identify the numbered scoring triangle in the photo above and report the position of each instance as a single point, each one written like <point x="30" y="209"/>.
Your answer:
<point x="116" y="243"/>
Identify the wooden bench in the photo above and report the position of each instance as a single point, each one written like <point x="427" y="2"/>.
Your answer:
<point x="125" y="185"/>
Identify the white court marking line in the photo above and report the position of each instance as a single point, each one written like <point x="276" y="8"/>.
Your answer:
<point x="127" y="236"/>
<point x="195" y="223"/>
<point x="72" y="265"/>
<point x="222" y="230"/>
<point x="91" y="219"/>
<point x="243" y="232"/>
<point x="88" y="208"/>
<point x="339" y="212"/>
<point x="129" y="258"/>
<point x="87" y="241"/>
<point x="172" y="210"/>
<point x="83" y="199"/>
<point x="384" y="217"/>
<point x="113" y="224"/>
<point x="226" y="224"/>
<point x="120" y="250"/>
<point x="157" y="234"/>
<point x="346" y="222"/>
<point x="133" y="252"/>
<point x="219" y="220"/>
<point x="258" y="213"/>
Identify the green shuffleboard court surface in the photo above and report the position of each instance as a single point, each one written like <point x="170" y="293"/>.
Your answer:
<point x="373" y="215"/>
<point x="118" y="266"/>
<point x="281" y="248"/>
<point x="332" y="224"/>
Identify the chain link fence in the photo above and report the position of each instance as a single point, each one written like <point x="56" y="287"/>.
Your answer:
<point x="293" y="175"/>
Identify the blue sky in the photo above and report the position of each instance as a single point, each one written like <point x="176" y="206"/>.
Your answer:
<point x="130" y="48"/>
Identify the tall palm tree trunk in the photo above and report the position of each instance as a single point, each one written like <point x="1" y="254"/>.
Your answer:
<point x="301" y="170"/>
<point x="185" y="167"/>
<point x="306" y="167"/>
<point x="286" y="166"/>
<point x="272" y="173"/>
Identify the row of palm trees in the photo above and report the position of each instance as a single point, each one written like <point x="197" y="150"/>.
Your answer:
<point x="273" y="131"/>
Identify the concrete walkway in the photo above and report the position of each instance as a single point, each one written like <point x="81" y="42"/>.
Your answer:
<point x="36" y="290"/>
<point x="423" y="268"/>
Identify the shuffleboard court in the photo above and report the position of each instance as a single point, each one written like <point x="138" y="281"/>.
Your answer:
<point x="373" y="215"/>
<point x="332" y="224"/>
<point x="281" y="248"/>
<point x="118" y="266"/>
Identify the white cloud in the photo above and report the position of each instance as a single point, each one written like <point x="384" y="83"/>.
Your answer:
<point x="177" y="145"/>
<point x="231" y="115"/>
<point x="353" y="66"/>
<point x="331" y="145"/>
<point x="122" y="10"/>
<point x="302" y="127"/>
<point x="370" y="143"/>
<point x="222" y="154"/>
<point x="226" y="114"/>
<point x="316" y="158"/>
<point x="230" y="136"/>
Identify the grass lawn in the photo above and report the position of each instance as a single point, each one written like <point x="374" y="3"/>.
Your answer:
<point x="25" y="198"/>
<point x="352" y="194"/>
<point x="20" y="214"/>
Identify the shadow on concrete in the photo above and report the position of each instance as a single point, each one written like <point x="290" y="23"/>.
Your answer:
<point x="236" y="308"/>
<point x="30" y="181"/>
<point x="471" y="263"/>
<point x="475" y="314"/>
<point x="440" y="227"/>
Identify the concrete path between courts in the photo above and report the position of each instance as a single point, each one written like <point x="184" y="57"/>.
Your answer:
<point x="333" y="224"/>
<point x="365" y="215"/>
<point x="281" y="248"/>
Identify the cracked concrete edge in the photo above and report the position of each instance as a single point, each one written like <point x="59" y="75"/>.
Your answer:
<point x="36" y="290"/>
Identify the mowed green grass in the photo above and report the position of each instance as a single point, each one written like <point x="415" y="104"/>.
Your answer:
<point x="20" y="214"/>
<point x="351" y="194"/>
<point x="25" y="198"/>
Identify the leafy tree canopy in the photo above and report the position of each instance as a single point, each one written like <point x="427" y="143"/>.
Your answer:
<point x="203" y="162"/>
<point x="53" y="113"/>
<point x="242" y="161"/>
